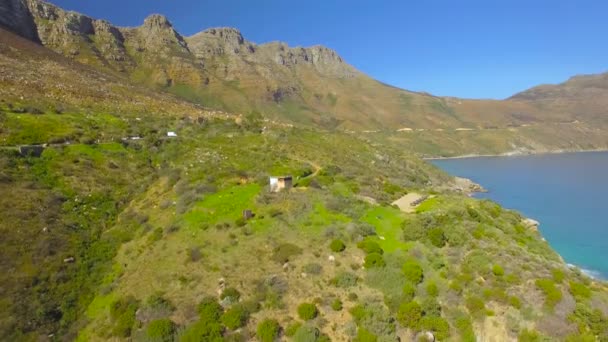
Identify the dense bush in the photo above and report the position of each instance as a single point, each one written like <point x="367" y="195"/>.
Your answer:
<point x="337" y="245"/>
<point x="552" y="294"/>
<point x="285" y="252"/>
<point x="157" y="301"/>
<point x="432" y="289"/>
<point x="529" y="336"/>
<point x="369" y="246"/>
<point x="307" y="311"/>
<point x="292" y="329"/>
<point x="409" y="291"/>
<point x="312" y="268"/>
<point x="306" y="333"/>
<point x="430" y="307"/>
<point x="413" y="271"/>
<point x="374" y="260"/>
<point x="558" y="275"/>
<point x="336" y="305"/>
<point x="235" y="317"/>
<point x="231" y="293"/>
<point x="409" y="314"/>
<point x="202" y="331"/>
<point x="436" y="324"/>
<point x="161" y="330"/>
<point x="476" y="306"/>
<point x="498" y="270"/>
<point x="345" y="280"/>
<point x="579" y="290"/>
<point x="209" y="310"/>
<point x="437" y="237"/>
<point x="363" y="335"/>
<point x="268" y="330"/>
<point x="122" y="312"/>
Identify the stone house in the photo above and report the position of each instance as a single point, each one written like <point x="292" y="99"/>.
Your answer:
<point x="280" y="183"/>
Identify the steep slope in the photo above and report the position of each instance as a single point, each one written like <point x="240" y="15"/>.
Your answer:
<point x="118" y="232"/>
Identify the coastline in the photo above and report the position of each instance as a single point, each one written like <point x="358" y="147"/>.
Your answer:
<point x="593" y="274"/>
<point x="516" y="153"/>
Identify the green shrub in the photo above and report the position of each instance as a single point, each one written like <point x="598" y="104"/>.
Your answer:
<point x="312" y="268"/>
<point x="268" y="330"/>
<point x="337" y="246"/>
<point x="409" y="292"/>
<point x="431" y="307"/>
<point x="579" y="290"/>
<point x="432" y="289"/>
<point x="437" y="237"/>
<point x="209" y="310"/>
<point x="476" y="306"/>
<point x="413" y="271"/>
<point x="515" y="302"/>
<point x="345" y="280"/>
<point x="369" y="246"/>
<point x="374" y="260"/>
<point x="465" y="328"/>
<point x="285" y="252"/>
<point x="306" y="333"/>
<point x="240" y="222"/>
<point x="235" y="317"/>
<point x="231" y="293"/>
<point x="436" y="324"/>
<point x="498" y="270"/>
<point x="307" y="311"/>
<point x="409" y="314"/>
<point x="202" y="331"/>
<point x="552" y="294"/>
<point x="122" y="312"/>
<point x="157" y="301"/>
<point x="363" y="335"/>
<point x="161" y="330"/>
<point x="292" y="328"/>
<point x="558" y="275"/>
<point x="336" y="304"/>
<point x="529" y="336"/>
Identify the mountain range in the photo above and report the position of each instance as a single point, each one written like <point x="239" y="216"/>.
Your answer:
<point x="219" y="69"/>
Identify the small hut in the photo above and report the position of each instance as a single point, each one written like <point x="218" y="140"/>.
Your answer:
<point x="247" y="214"/>
<point x="280" y="183"/>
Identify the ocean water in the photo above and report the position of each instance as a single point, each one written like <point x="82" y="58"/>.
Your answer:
<point x="567" y="193"/>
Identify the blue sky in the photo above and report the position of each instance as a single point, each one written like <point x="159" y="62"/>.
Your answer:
<point x="466" y="48"/>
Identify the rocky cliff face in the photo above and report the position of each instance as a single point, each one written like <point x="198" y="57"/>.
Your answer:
<point x="15" y="16"/>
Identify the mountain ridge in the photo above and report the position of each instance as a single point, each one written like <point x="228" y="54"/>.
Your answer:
<point x="315" y="87"/>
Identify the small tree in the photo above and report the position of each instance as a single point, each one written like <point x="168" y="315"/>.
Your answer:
<point x="337" y="246"/>
<point x="336" y="304"/>
<point x="413" y="271"/>
<point x="437" y="237"/>
<point x="161" y="330"/>
<point x="235" y="317"/>
<point x="209" y="310"/>
<point x="374" y="260"/>
<point x="307" y="311"/>
<point x="409" y="314"/>
<point x="498" y="270"/>
<point x="268" y="330"/>
<point x="369" y="246"/>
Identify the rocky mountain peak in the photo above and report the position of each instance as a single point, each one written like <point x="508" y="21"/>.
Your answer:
<point x="157" y="21"/>
<point x="218" y="41"/>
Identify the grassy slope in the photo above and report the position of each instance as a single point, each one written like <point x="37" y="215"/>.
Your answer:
<point x="159" y="218"/>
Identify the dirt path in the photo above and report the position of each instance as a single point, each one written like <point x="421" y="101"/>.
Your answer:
<point x="405" y="202"/>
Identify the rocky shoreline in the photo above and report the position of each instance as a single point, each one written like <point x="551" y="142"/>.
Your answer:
<point x="517" y="153"/>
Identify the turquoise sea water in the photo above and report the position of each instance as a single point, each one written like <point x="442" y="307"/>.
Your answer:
<point x="567" y="193"/>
